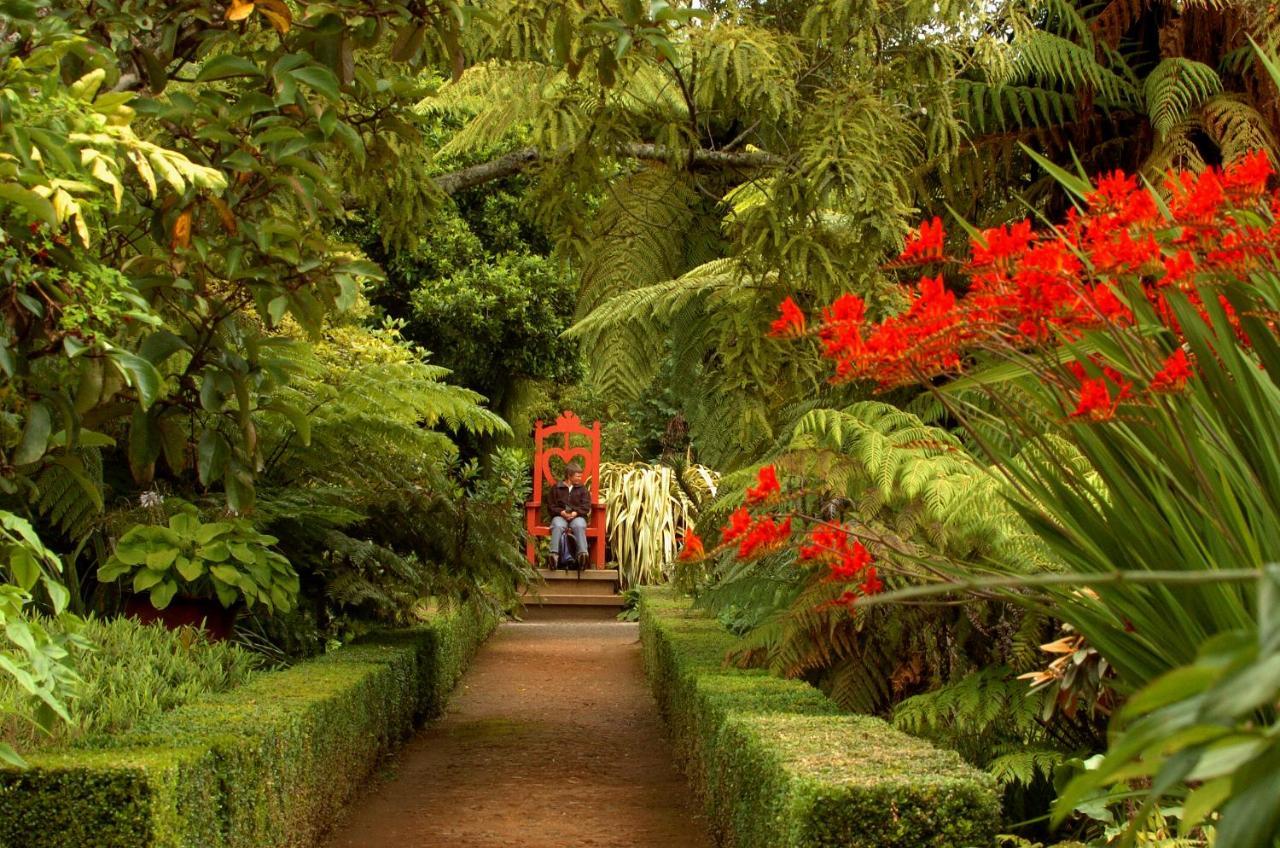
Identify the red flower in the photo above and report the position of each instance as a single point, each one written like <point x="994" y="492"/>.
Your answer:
<point x="790" y="321"/>
<point x="1174" y="374"/>
<point x="824" y="540"/>
<point x="852" y="561"/>
<point x="767" y="485"/>
<point x="692" y="548"/>
<point x="847" y="307"/>
<point x="764" y="536"/>
<point x="1095" y="401"/>
<point x="926" y="244"/>
<point x="739" y="523"/>
<point x="1001" y="244"/>
<point x="1248" y="175"/>
<point x="871" y="583"/>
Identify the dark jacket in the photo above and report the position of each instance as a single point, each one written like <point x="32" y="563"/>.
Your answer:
<point x="560" y="499"/>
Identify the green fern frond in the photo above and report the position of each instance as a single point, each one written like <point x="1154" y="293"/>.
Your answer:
<point x="1043" y="56"/>
<point x="1175" y="88"/>
<point x="635" y="243"/>
<point x="1236" y="127"/>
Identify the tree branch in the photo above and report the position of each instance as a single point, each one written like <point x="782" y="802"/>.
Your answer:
<point x="517" y="160"/>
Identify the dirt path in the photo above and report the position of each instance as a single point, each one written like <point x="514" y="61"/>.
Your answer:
<point x="552" y="740"/>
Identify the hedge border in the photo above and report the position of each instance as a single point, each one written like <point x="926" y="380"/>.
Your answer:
<point x="268" y="764"/>
<point x="777" y="764"/>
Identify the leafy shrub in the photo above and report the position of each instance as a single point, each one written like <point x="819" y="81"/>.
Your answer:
<point x="228" y="559"/>
<point x="133" y="673"/>
<point x="778" y="764"/>
<point x="36" y="674"/>
<point x="265" y="765"/>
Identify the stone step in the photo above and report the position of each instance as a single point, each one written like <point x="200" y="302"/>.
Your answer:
<point x="547" y="599"/>
<point x="573" y="587"/>
<point x="607" y="574"/>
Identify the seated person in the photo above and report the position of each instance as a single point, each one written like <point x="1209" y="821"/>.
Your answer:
<point x="569" y="504"/>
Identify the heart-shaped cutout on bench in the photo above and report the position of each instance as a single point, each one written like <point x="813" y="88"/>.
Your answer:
<point x="565" y="455"/>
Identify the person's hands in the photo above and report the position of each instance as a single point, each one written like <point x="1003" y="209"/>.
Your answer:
<point x="572" y="515"/>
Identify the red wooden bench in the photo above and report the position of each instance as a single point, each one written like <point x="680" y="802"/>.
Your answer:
<point x="567" y="426"/>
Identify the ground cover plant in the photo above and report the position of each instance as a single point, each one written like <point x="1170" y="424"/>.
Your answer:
<point x="134" y="673"/>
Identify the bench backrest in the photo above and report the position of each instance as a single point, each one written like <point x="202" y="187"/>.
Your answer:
<point x="566" y="440"/>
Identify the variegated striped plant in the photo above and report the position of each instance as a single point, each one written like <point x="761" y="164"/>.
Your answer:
<point x="649" y="507"/>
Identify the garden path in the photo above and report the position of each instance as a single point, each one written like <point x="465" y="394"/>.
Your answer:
<point x="551" y="740"/>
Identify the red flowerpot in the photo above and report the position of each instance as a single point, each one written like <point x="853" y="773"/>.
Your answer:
<point x="215" y="619"/>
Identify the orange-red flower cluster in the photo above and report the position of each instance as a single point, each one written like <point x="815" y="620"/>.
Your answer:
<point x="1174" y="374"/>
<point x="790" y="321"/>
<point x="766" y="485"/>
<point x="754" y="536"/>
<point x="739" y="523"/>
<point x="692" y="548"/>
<point x="1096" y="402"/>
<point x="926" y="244"/>
<point x="1024" y="288"/>
<point x="764" y="536"/>
<point x="846" y="561"/>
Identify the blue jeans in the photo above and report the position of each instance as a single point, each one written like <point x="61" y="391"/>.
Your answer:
<point x="579" y="528"/>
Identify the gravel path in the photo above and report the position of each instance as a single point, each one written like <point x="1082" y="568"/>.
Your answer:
<point x="552" y="740"/>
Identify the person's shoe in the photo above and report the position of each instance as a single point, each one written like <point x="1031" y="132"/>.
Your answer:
<point x="552" y="563"/>
<point x="582" y="561"/>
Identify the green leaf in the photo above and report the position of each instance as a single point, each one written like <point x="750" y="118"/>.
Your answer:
<point x="408" y="42"/>
<point x="58" y="595"/>
<point x="561" y="39"/>
<point x="113" y="569"/>
<point x="24" y="568"/>
<point x="161" y="595"/>
<point x="161" y="345"/>
<point x="321" y="79"/>
<point x="226" y="573"/>
<point x="144" y="446"/>
<point x="216" y="552"/>
<point x="211" y="459"/>
<point x="239" y="486"/>
<point x="146" y="578"/>
<point x="161" y="559"/>
<point x="227" y="595"/>
<point x="10" y="756"/>
<point x="226" y="66"/>
<point x="299" y="419"/>
<point x="208" y="532"/>
<point x="37" y="206"/>
<point x="190" y="569"/>
<point x="140" y="373"/>
<point x="35" y="436"/>
<point x="185" y="524"/>
<point x="1078" y="186"/>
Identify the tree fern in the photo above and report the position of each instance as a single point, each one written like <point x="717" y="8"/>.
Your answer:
<point x="1047" y="56"/>
<point x="635" y="242"/>
<point x="1175" y="88"/>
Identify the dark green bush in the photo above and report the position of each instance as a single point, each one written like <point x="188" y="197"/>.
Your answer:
<point x="779" y="765"/>
<point x="268" y="764"/>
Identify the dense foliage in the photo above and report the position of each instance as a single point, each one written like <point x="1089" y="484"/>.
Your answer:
<point x="243" y="245"/>
<point x="1090" y="352"/>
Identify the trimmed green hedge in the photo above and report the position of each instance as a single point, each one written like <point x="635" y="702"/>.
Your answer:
<point x="267" y="764"/>
<point x="779" y="765"/>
